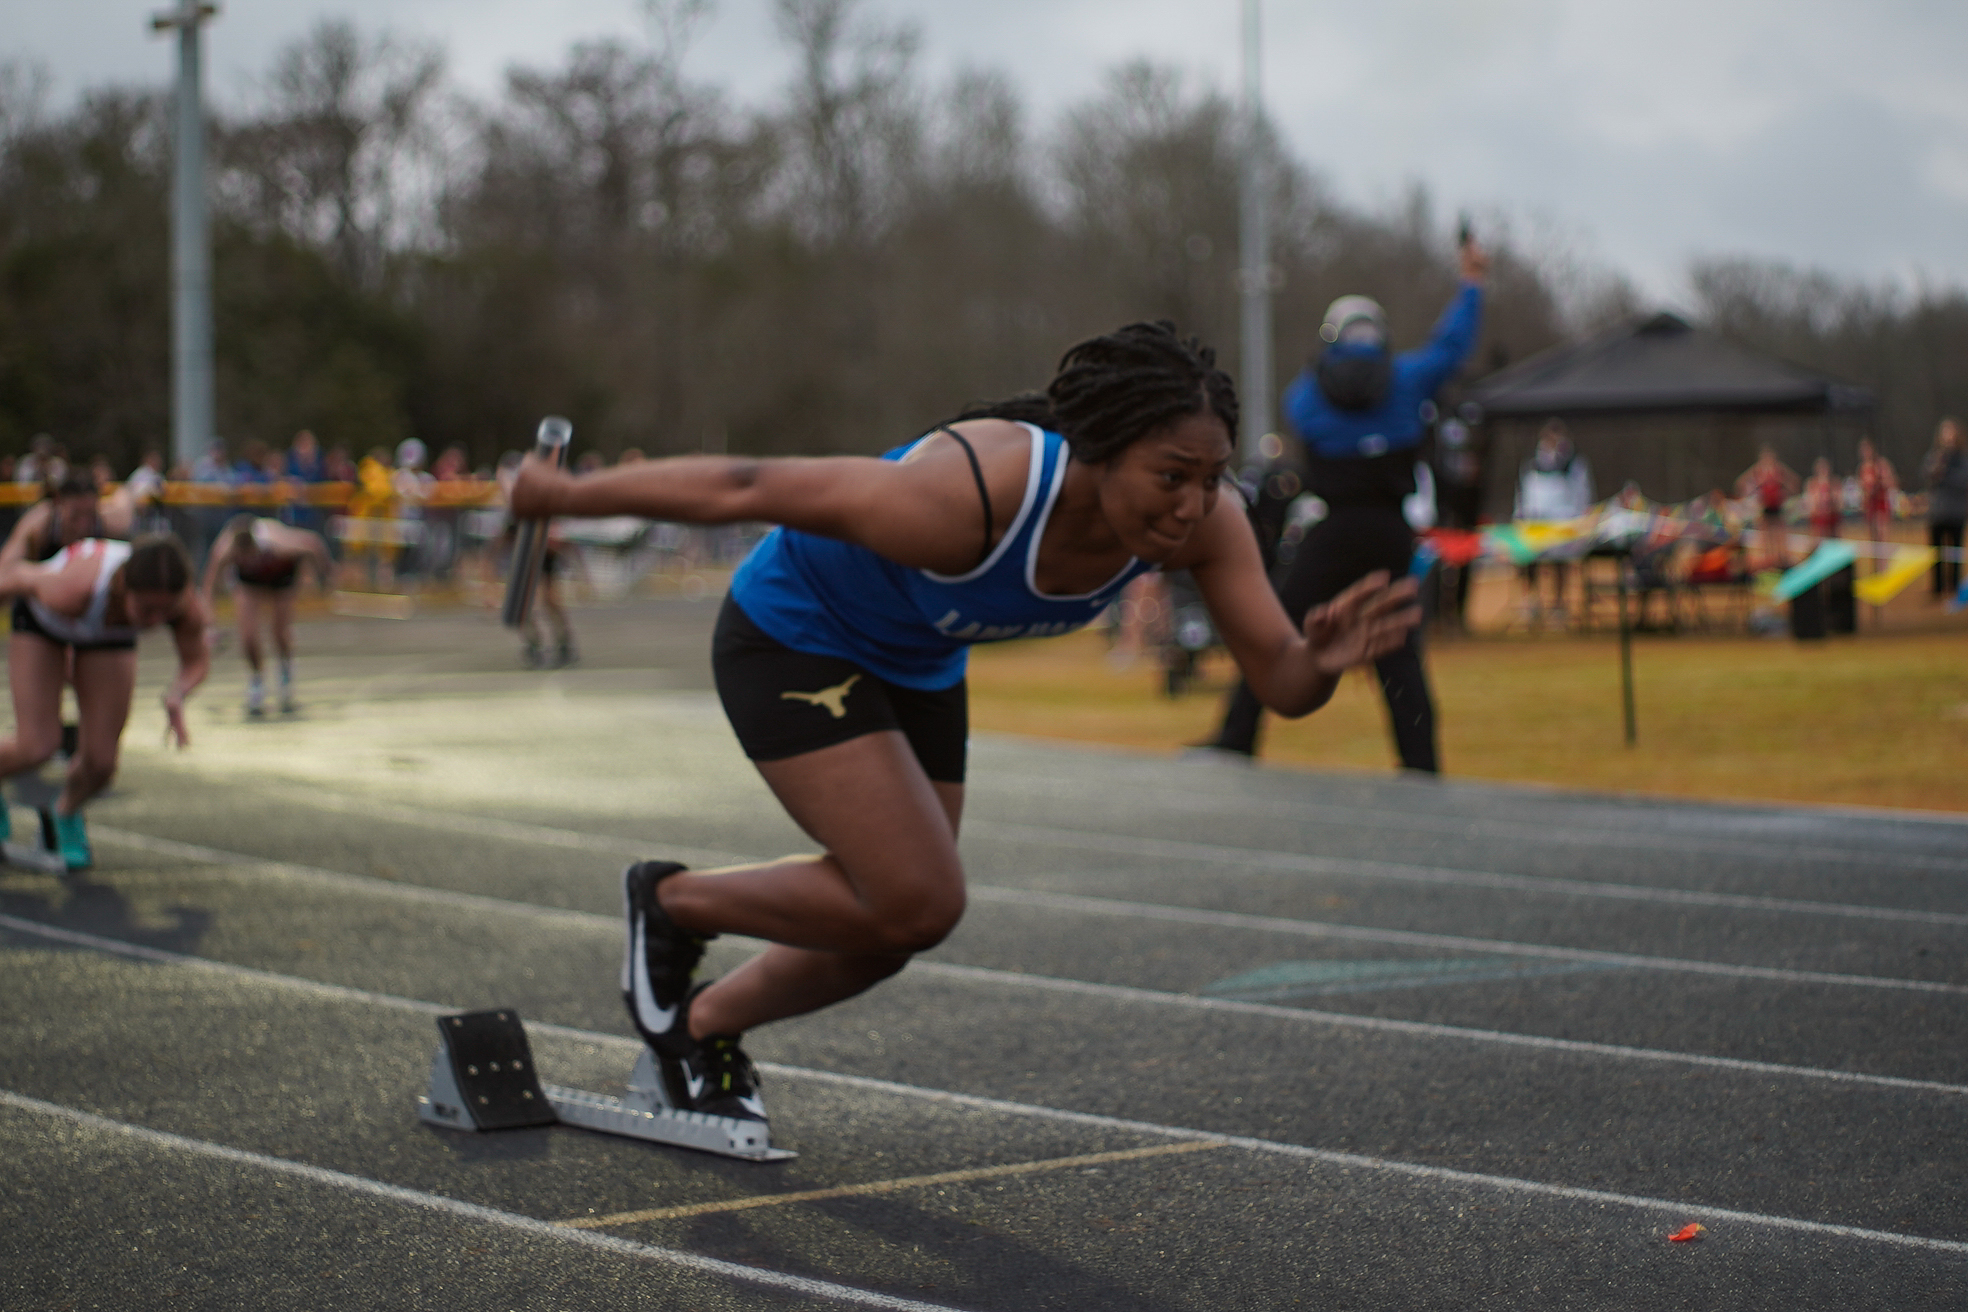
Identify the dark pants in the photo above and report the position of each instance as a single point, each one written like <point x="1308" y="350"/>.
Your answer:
<point x="1947" y="573"/>
<point x="1347" y="545"/>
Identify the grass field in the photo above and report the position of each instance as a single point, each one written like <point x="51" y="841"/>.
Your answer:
<point x="1877" y="720"/>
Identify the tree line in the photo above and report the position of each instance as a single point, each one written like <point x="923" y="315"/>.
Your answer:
<point x="612" y="239"/>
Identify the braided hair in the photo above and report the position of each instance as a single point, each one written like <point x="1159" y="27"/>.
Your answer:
<point x="1111" y="391"/>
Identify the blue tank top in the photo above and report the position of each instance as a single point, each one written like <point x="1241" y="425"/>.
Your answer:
<point x="911" y="626"/>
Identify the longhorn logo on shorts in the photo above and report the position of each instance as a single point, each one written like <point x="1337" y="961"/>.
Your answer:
<point x="834" y="698"/>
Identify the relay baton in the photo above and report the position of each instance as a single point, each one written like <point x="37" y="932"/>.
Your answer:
<point x="530" y="546"/>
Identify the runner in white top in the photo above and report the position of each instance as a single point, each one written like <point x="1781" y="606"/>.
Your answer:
<point x="84" y="608"/>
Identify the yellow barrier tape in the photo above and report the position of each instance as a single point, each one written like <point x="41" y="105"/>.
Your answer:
<point x="453" y="494"/>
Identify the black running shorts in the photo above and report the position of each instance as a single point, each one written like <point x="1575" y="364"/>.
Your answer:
<point x="24" y="622"/>
<point x="784" y="703"/>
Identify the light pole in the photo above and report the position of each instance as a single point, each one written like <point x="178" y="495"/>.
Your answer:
<point x="1254" y="273"/>
<point x="191" y="244"/>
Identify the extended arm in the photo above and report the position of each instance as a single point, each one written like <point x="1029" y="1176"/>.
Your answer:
<point x="1293" y="671"/>
<point x="118" y="511"/>
<point x="215" y="564"/>
<point x="917" y="513"/>
<point x="65" y="591"/>
<point x="300" y="542"/>
<point x="25" y="531"/>
<point x="194" y="663"/>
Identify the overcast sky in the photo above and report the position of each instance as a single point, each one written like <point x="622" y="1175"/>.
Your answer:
<point x="1828" y="133"/>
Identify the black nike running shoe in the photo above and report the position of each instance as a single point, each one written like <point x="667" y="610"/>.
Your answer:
<point x="659" y="961"/>
<point x="719" y="1080"/>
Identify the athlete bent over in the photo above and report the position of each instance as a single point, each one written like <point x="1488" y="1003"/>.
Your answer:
<point x="84" y="608"/>
<point x="266" y="558"/>
<point x="840" y="659"/>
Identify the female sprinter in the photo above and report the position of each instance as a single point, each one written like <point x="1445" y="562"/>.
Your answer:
<point x="83" y="609"/>
<point x="266" y="557"/>
<point x="840" y="654"/>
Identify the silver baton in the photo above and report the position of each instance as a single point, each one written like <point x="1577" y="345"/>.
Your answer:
<point x="530" y="548"/>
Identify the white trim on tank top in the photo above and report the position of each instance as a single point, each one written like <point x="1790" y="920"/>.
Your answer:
<point x="1038" y="534"/>
<point x="1035" y="465"/>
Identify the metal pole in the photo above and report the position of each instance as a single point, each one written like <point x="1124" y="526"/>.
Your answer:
<point x="1626" y="654"/>
<point x="1254" y="275"/>
<point x="191" y="245"/>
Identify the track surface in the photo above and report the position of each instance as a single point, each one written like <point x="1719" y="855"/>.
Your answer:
<point x="1209" y="1037"/>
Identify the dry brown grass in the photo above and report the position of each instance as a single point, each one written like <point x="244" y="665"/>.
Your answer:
<point x="1878" y="720"/>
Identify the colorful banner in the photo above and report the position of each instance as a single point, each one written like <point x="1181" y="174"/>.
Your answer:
<point x="1908" y="564"/>
<point x="1827" y="560"/>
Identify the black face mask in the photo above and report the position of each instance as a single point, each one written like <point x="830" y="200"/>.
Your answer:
<point x="1356" y="380"/>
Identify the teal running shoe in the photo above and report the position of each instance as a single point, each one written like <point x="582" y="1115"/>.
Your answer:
<point x="6" y="823"/>
<point x="72" y="836"/>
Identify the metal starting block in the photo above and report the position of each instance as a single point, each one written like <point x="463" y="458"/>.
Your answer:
<point x="483" y="1078"/>
<point x="31" y="790"/>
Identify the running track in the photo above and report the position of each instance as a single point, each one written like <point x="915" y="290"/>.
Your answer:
<point x="1208" y="1038"/>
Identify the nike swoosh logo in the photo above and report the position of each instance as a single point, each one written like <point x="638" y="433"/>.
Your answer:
<point x="753" y="1104"/>
<point x="694" y="1083"/>
<point x="653" y="1017"/>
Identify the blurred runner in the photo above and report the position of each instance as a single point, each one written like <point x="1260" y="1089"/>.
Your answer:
<point x="1770" y="483"/>
<point x="266" y="558"/>
<point x="83" y="609"/>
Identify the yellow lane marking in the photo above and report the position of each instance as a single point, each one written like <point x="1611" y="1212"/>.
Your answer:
<point x="888" y="1186"/>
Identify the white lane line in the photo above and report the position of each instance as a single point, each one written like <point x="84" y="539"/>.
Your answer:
<point x="1291" y="862"/>
<point x="1086" y="906"/>
<point x="1415" y="1170"/>
<point x="357" y="1184"/>
<point x="1131" y="846"/>
<point x="1110" y="992"/>
<point x="1126" y="993"/>
<point x="371" y="884"/>
<point x="1770" y="849"/>
<point x="1098" y="906"/>
<point x="1505" y="1183"/>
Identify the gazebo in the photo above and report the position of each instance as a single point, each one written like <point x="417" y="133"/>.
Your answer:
<point x="1676" y="409"/>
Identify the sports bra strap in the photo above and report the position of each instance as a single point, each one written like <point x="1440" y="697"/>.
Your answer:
<point x="983" y="492"/>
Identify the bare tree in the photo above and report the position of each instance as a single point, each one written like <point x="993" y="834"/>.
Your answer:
<point x="851" y="120"/>
<point x="345" y="134"/>
<point x="23" y="96"/>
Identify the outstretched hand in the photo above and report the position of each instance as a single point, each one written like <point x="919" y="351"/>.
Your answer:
<point x="533" y="487"/>
<point x="176" y="734"/>
<point x="1362" y="624"/>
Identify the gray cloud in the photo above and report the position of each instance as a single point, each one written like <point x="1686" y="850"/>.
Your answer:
<point x="1823" y="132"/>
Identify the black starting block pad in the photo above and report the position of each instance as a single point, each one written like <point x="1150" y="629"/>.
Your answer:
<point x="483" y="1078"/>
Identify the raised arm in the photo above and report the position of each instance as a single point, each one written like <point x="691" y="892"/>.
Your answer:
<point x="1455" y="332"/>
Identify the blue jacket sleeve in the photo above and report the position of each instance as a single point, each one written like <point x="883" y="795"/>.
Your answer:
<point x="1454" y="338"/>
